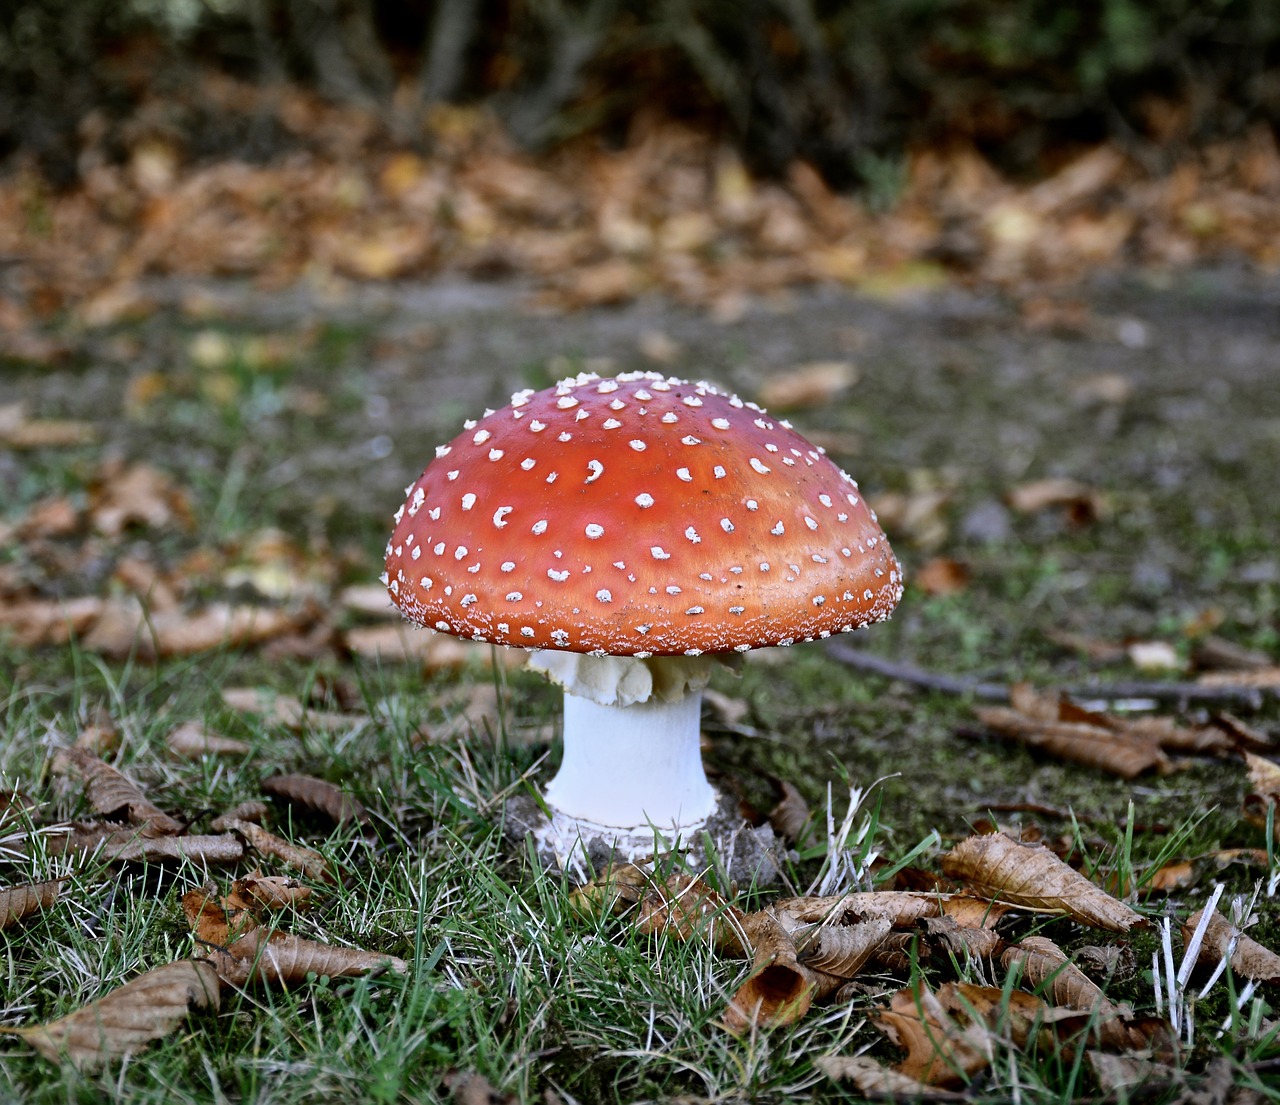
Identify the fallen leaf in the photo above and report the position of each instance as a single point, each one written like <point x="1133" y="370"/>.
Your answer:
<point x="942" y="576"/>
<point x="780" y="989"/>
<point x="18" y="431"/>
<point x="1040" y="960"/>
<point x="193" y="739"/>
<point x="111" y="793"/>
<point x="962" y="940"/>
<point x="286" y="710"/>
<point x="685" y="908"/>
<point x="249" y="810"/>
<point x="114" y="844"/>
<point x="842" y="950"/>
<point x="1249" y="959"/>
<point x="309" y="862"/>
<point x="273" y="892"/>
<point x="875" y="1081"/>
<point x="807" y="385"/>
<point x="940" y="1051"/>
<point x="901" y="907"/>
<point x="1081" y="503"/>
<point x="127" y="1019"/>
<point x="1122" y="754"/>
<point x="791" y="816"/>
<point x="1261" y="678"/>
<point x="21" y="901"/>
<point x="616" y="889"/>
<point x="317" y="795"/>
<point x="1032" y="877"/>
<point x="137" y="495"/>
<point x="407" y="644"/>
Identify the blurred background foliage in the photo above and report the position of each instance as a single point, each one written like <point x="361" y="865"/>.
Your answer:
<point x="844" y="84"/>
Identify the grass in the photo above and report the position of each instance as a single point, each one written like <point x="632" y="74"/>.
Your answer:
<point x="505" y="980"/>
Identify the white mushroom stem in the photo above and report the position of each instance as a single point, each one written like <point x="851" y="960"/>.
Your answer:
<point x="632" y="758"/>
<point x="633" y="767"/>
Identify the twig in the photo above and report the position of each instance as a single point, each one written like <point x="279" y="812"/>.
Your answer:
<point x="999" y="692"/>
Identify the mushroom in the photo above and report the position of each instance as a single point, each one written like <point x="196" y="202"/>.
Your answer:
<point x="634" y="532"/>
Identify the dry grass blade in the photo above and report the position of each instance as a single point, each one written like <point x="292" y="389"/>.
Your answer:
<point x="112" y="793"/>
<point x="192" y="740"/>
<point x="1249" y="958"/>
<point x="1031" y="876"/>
<point x="316" y="794"/>
<point x="126" y="1020"/>
<point x="21" y="901"/>
<point x="311" y="863"/>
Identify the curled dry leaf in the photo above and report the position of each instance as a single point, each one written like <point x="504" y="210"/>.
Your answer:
<point x="193" y="739"/>
<point x="780" y="989"/>
<point x="21" y="901"/>
<point x="249" y="810"/>
<point x="127" y="1019"/>
<point x="1031" y="876"/>
<point x="902" y="907"/>
<point x="686" y="908"/>
<point x="272" y="892"/>
<point x="617" y="888"/>
<point x="311" y="863"/>
<point x="317" y="795"/>
<point x="1127" y="756"/>
<point x="1249" y="959"/>
<point x="842" y="951"/>
<point x="1041" y="960"/>
<point x="874" y="1081"/>
<point x="112" y="793"/>
<point x="790" y="817"/>
<point x="117" y="845"/>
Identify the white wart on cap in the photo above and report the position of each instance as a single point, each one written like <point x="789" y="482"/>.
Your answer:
<point x="637" y="516"/>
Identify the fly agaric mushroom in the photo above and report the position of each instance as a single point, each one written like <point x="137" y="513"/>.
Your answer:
<point x="632" y="531"/>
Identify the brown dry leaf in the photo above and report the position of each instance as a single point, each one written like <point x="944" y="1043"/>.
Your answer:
<point x="874" y="1081"/>
<point x="369" y="599"/>
<point x="125" y="627"/>
<point x="942" y="575"/>
<point x="317" y="795"/>
<point x="1188" y="873"/>
<point x="842" y="950"/>
<point x="249" y="810"/>
<point x="193" y="739"/>
<point x="614" y="890"/>
<point x="133" y="845"/>
<point x="404" y="643"/>
<point x="1116" y="1073"/>
<point x="112" y="793"/>
<point x="684" y="907"/>
<point x="780" y="989"/>
<point x="272" y="892"/>
<point x="962" y="940"/>
<point x="281" y="959"/>
<point x="127" y="1019"/>
<point x="919" y="516"/>
<point x="1250" y="958"/>
<point x="940" y="1052"/>
<point x="1041" y="960"/>
<point x="34" y="623"/>
<point x="18" y="431"/>
<point x="1262" y="678"/>
<point x="286" y="710"/>
<point x="309" y="862"/>
<point x="807" y="385"/>
<point x="1081" y="503"/>
<point x="970" y="912"/>
<point x="1033" y="877"/>
<point x="137" y="495"/>
<point x="1078" y="742"/>
<point x="791" y="816"/>
<point x="1264" y="777"/>
<point x="21" y="901"/>
<point x="901" y="907"/>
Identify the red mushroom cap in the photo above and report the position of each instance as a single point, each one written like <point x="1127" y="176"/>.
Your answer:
<point x="637" y="516"/>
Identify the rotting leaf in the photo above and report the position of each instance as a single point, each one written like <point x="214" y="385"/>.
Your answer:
<point x="1249" y="959"/>
<point x="1031" y="876"/>
<point x="19" y="902"/>
<point x="317" y="795"/>
<point x="127" y="1019"/>
<point x="112" y="793"/>
<point x="193" y="739"/>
